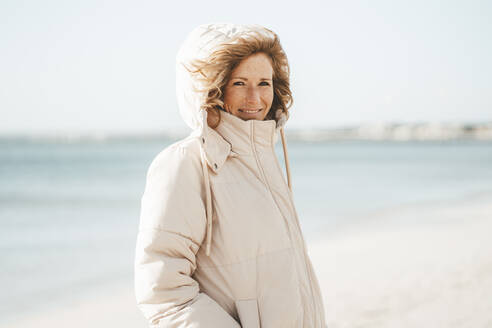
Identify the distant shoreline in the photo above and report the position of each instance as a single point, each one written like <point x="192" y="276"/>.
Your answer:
<point x="364" y="132"/>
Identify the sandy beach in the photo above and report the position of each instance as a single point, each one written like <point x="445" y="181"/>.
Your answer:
<point x="437" y="273"/>
<point x="432" y="268"/>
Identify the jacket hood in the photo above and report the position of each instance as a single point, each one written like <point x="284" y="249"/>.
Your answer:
<point x="200" y="44"/>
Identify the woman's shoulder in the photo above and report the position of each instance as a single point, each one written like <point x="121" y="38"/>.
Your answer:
<point x="181" y="155"/>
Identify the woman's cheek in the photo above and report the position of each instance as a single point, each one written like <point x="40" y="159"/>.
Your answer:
<point x="233" y="95"/>
<point x="268" y="96"/>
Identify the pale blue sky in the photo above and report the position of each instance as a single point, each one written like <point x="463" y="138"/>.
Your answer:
<point x="108" y="66"/>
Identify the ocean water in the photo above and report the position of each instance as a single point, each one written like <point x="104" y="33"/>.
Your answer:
<point x="69" y="211"/>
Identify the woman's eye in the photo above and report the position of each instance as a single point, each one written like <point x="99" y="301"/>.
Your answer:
<point x="238" y="83"/>
<point x="264" y="83"/>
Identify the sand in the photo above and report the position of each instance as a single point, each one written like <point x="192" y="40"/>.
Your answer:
<point x="433" y="268"/>
<point x="434" y="271"/>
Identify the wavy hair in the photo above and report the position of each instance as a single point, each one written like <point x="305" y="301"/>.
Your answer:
<point x="214" y="72"/>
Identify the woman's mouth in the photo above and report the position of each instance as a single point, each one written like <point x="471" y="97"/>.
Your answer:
<point x="250" y="111"/>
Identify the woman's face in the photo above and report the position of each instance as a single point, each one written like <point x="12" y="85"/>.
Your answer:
<point x="249" y="92"/>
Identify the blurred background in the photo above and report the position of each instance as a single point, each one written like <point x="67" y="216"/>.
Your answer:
<point x="390" y="144"/>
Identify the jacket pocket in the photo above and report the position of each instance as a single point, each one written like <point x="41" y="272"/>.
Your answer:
<point x="247" y="311"/>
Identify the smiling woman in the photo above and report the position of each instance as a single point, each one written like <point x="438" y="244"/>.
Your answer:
<point x="245" y="60"/>
<point x="249" y="92"/>
<point x="220" y="244"/>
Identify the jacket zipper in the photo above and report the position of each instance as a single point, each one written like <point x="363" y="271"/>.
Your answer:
<point x="260" y="168"/>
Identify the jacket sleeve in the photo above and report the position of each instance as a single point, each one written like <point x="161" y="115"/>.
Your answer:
<point x="172" y="228"/>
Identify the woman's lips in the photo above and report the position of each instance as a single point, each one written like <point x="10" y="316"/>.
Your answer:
<point x="250" y="111"/>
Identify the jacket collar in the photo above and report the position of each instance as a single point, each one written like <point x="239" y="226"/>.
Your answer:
<point x="233" y="137"/>
<point x="215" y="148"/>
<point x="246" y="136"/>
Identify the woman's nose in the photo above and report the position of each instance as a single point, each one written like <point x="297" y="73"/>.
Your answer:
<point x="253" y="96"/>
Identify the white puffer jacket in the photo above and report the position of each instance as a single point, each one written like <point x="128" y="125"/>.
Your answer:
<point x="219" y="242"/>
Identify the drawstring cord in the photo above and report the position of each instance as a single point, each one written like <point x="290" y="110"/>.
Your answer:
<point x="208" y="200"/>
<point x="286" y="158"/>
<point x="208" y="195"/>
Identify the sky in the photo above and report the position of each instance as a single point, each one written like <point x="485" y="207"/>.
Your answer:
<point x="109" y="66"/>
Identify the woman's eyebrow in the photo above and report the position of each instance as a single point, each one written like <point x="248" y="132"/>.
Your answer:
<point x="245" y="79"/>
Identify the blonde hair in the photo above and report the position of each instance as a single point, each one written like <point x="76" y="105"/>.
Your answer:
<point x="214" y="72"/>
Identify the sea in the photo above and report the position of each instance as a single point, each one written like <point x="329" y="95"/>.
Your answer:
<point x="69" y="210"/>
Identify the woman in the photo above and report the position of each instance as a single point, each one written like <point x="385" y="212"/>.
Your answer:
<point x="219" y="242"/>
